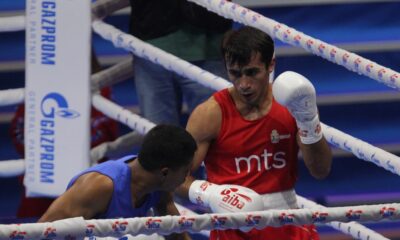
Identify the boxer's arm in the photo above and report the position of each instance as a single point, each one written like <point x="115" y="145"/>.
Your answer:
<point x="88" y="197"/>
<point x="204" y="124"/>
<point x="166" y="206"/>
<point x="317" y="157"/>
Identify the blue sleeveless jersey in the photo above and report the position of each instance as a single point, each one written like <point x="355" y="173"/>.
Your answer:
<point x="120" y="205"/>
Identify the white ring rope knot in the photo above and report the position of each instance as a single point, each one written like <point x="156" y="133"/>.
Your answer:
<point x="11" y="24"/>
<point x="351" y="61"/>
<point x="354" y="229"/>
<point x="78" y="227"/>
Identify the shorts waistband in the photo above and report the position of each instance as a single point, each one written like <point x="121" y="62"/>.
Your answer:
<point x="280" y="200"/>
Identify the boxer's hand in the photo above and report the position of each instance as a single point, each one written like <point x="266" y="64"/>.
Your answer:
<point x="225" y="198"/>
<point x="296" y="92"/>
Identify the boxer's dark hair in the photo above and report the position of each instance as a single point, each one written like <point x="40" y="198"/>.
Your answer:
<point x="167" y="146"/>
<point x="238" y="46"/>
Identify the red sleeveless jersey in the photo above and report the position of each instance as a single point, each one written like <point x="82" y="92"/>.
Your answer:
<point x="259" y="154"/>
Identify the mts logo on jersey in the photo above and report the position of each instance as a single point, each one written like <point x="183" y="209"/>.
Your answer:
<point x="262" y="161"/>
<point x="234" y="199"/>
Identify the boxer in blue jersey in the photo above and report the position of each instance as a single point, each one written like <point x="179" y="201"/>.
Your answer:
<point x="130" y="186"/>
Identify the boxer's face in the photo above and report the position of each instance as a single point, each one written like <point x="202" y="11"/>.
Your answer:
<point x="251" y="80"/>
<point x="175" y="177"/>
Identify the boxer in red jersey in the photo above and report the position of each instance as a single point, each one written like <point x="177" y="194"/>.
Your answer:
<point x="246" y="137"/>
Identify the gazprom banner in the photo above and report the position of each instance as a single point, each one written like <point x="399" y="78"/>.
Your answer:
<point x="57" y="96"/>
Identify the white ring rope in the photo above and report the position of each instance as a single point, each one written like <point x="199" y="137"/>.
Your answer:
<point x="12" y="96"/>
<point x="183" y="211"/>
<point x="351" y="61"/>
<point x="344" y="141"/>
<point x="11" y="24"/>
<point x="12" y="168"/>
<point x="116" y="148"/>
<point x="354" y="229"/>
<point x="78" y="227"/>
<point x="156" y="55"/>
<point x="112" y="75"/>
<point x="114" y="111"/>
<point x="361" y="149"/>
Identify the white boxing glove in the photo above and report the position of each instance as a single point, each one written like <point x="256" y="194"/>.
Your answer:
<point x="225" y="198"/>
<point x="297" y="94"/>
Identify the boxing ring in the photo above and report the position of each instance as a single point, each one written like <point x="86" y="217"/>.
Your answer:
<point x="341" y="218"/>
